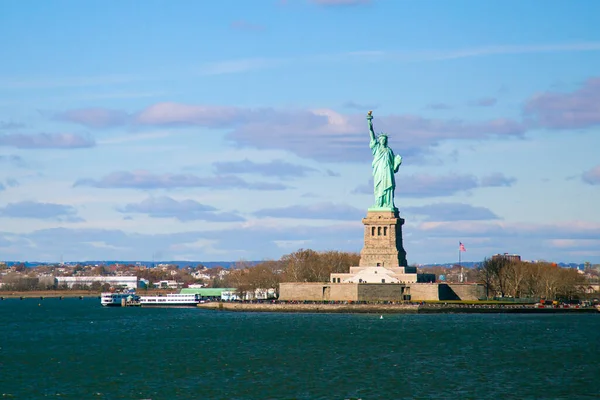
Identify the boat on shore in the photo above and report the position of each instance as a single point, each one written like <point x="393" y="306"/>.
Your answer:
<point x="118" y="299"/>
<point x="171" y="300"/>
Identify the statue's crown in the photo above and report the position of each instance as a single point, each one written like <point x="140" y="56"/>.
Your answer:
<point x="383" y="134"/>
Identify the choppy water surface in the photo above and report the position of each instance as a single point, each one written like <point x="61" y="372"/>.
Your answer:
<point x="76" y="349"/>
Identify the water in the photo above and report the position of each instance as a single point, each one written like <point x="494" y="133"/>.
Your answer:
<point x="76" y="349"/>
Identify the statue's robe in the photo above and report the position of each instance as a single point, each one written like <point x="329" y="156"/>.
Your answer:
<point x="384" y="166"/>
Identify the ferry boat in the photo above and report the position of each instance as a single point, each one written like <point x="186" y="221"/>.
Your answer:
<point x="171" y="300"/>
<point x="115" y="299"/>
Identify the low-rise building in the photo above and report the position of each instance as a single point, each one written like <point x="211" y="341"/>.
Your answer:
<point x="508" y="257"/>
<point x="211" y="293"/>
<point x="258" y="294"/>
<point x="168" y="284"/>
<point x="200" y="275"/>
<point x="382" y="275"/>
<point x="196" y="285"/>
<point x="129" y="282"/>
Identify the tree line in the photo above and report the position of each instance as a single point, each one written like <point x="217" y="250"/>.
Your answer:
<point x="505" y="278"/>
<point x="304" y="265"/>
<point x="502" y="277"/>
<point x="24" y="283"/>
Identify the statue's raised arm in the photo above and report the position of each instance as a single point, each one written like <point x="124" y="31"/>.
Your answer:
<point x="370" y="119"/>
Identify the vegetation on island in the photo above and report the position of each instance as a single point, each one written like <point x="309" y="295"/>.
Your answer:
<point x="518" y="279"/>
<point x="304" y="265"/>
<point x="503" y="278"/>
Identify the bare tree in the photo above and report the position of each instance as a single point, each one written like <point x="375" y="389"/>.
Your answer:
<point x="312" y="266"/>
<point x="515" y="276"/>
<point x="570" y="284"/>
<point x="493" y="274"/>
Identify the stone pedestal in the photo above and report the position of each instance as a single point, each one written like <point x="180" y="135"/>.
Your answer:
<point x="383" y="239"/>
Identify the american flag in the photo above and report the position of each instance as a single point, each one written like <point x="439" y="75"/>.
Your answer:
<point x="461" y="247"/>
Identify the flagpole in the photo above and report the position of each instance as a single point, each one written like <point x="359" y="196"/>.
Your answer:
<point x="460" y="264"/>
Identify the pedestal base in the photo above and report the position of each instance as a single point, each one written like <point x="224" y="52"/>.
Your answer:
<point x="383" y="239"/>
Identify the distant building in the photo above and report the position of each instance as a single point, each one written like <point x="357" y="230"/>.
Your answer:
<point x="590" y="288"/>
<point x="129" y="282"/>
<point x="196" y="285"/>
<point x="168" y="284"/>
<point x="258" y="294"/>
<point x="508" y="257"/>
<point x="211" y="293"/>
<point x="201" y="275"/>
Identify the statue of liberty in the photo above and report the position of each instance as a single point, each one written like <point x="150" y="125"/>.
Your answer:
<point x="385" y="164"/>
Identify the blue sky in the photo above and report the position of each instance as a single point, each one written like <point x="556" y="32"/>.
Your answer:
<point x="235" y="130"/>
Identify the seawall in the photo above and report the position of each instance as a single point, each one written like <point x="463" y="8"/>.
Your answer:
<point x="502" y="309"/>
<point x="312" y="308"/>
<point x="391" y="308"/>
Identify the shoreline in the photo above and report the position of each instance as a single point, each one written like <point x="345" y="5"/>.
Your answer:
<point x="48" y="294"/>
<point x="312" y="308"/>
<point x="11" y="294"/>
<point x="390" y="308"/>
<point x="340" y="308"/>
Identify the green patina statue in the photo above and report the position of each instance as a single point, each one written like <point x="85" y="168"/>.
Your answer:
<point x="385" y="164"/>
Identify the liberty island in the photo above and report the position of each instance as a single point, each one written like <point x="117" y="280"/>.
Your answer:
<point x="383" y="273"/>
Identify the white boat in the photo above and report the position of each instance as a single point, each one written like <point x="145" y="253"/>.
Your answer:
<point x="115" y="299"/>
<point x="171" y="300"/>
